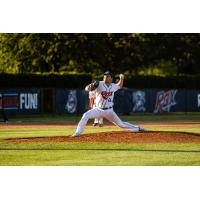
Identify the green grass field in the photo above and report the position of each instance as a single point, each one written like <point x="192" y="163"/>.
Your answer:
<point x="96" y="154"/>
<point x="135" y="117"/>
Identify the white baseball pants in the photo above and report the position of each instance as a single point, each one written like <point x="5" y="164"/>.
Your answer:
<point x="98" y="120"/>
<point x="109" y="114"/>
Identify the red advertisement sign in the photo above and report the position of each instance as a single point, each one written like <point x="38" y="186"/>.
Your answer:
<point x="165" y="100"/>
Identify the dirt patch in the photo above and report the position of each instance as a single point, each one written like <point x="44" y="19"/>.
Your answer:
<point x="121" y="136"/>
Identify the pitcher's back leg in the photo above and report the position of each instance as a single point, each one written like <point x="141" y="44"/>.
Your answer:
<point x="94" y="113"/>
<point x="112" y="117"/>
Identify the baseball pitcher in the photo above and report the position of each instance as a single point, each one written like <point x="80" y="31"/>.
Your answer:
<point x="104" y="104"/>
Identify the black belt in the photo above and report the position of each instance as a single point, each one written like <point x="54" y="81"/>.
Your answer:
<point x="106" y="108"/>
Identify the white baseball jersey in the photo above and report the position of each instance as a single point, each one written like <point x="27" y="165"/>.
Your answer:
<point x="105" y="94"/>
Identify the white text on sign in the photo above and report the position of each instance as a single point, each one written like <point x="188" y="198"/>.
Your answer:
<point x="28" y="101"/>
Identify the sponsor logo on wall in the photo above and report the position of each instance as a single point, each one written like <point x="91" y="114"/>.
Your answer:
<point x="138" y="101"/>
<point x="71" y="103"/>
<point x="165" y="100"/>
<point x="10" y="101"/>
<point x="29" y="101"/>
<point x="198" y="100"/>
<point x="20" y="101"/>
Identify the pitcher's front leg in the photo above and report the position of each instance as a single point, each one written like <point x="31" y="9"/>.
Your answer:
<point x="86" y="116"/>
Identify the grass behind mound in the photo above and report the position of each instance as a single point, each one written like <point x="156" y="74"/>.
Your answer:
<point x="84" y="154"/>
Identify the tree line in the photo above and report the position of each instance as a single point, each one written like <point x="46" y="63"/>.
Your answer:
<point x="131" y="53"/>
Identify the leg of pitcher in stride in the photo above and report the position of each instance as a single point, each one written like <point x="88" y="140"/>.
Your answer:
<point x="110" y="115"/>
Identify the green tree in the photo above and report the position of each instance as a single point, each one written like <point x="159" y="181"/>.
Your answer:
<point x="160" y="54"/>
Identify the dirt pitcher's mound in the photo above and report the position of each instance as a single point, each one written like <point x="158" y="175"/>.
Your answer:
<point x="119" y="136"/>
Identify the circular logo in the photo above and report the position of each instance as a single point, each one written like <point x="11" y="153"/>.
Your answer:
<point x="71" y="101"/>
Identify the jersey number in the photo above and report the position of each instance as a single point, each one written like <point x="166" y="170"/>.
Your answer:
<point x="109" y="99"/>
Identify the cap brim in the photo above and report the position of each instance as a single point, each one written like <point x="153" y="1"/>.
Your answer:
<point x="108" y="75"/>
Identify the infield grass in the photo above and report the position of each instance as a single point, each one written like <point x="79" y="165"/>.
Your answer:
<point x="96" y="154"/>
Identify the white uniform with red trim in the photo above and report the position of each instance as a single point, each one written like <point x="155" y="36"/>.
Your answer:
<point x="104" y="108"/>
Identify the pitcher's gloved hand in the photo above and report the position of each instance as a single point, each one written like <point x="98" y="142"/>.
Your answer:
<point x="94" y="85"/>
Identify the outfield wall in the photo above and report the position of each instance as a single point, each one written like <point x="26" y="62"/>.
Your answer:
<point x="75" y="101"/>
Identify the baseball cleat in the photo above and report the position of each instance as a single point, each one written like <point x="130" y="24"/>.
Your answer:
<point x="75" y="135"/>
<point x="142" y="129"/>
<point x="95" y="124"/>
<point x="100" y="125"/>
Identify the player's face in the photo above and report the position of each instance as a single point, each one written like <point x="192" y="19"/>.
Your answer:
<point x="107" y="79"/>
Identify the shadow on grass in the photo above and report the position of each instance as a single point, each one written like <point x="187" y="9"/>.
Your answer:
<point x="89" y="134"/>
<point x="178" y="132"/>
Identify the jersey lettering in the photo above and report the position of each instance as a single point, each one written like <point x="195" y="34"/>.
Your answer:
<point x="105" y="94"/>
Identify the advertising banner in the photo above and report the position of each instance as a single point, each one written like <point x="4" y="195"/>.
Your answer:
<point x="165" y="101"/>
<point x="76" y="101"/>
<point x="127" y="101"/>
<point x="16" y="101"/>
<point x="66" y="101"/>
<point x="71" y="101"/>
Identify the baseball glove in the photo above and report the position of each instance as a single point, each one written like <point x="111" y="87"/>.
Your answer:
<point x="94" y="85"/>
